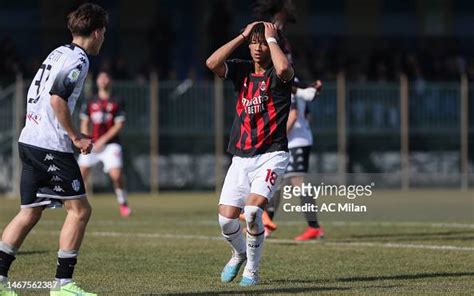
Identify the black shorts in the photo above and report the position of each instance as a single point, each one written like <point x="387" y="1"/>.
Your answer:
<point x="299" y="161"/>
<point x="48" y="177"/>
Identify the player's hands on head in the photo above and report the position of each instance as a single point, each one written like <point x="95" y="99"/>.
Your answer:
<point x="271" y="30"/>
<point x="83" y="143"/>
<point x="248" y="29"/>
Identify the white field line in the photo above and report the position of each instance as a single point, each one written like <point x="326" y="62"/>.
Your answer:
<point x="344" y="223"/>
<point x="272" y="241"/>
<point x="284" y="223"/>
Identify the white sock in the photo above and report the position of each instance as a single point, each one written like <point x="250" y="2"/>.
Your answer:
<point x="63" y="282"/>
<point x="121" y="196"/>
<point x="232" y="232"/>
<point x="3" y="279"/>
<point x="255" y="237"/>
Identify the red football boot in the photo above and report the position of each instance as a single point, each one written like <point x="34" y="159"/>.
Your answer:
<point x="311" y="233"/>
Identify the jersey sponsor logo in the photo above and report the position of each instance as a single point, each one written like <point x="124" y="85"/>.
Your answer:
<point x="58" y="188"/>
<point x="56" y="179"/>
<point x="48" y="156"/>
<point x="255" y="105"/>
<point x="34" y="117"/>
<point x="76" y="185"/>
<point x="53" y="168"/>
<point x="100" y="117"/>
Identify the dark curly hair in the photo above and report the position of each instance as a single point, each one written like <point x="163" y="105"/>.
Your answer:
<point x="86" y="19"/>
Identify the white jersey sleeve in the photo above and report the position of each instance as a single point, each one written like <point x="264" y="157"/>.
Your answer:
<point x="62" y="73"/>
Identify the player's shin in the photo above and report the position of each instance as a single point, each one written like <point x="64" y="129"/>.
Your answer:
<point x="232" y="232"/>
<point x="67" y="260"/>
<point x="121" y="196"/>
<point x="255" y="238"/>
<point x="311" y="217"/>
<point x="7" y="256"/>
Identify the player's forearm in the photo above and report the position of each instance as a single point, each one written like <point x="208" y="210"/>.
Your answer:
<point x="218" y="58"/>
<point x="85" y="126"/>
<point x="63" y="115"/>
<point x="112" y="132"/>
<point x="283" y="68"/>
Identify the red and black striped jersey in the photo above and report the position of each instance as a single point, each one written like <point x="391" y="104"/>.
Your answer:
<point x="261" y="111"/>
<point x="103" y="113"/>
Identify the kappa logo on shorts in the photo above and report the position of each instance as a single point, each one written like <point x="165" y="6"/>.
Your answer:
<point x="56" y="179"/>
<point x="48" y="156"/>
<point x="58" y="188"/>
<point x="76" y="185"/>
<point x="53" y="168"/>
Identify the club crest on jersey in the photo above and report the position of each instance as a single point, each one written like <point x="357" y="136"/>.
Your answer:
<point x="263" y="86"/>
<point x="76" y="185"/>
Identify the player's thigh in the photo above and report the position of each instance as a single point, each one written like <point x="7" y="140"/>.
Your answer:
<point x="85" y="171"/>
<point x="268" y="173"/>
<point x="87" y="161"/>
<point x="33" y="176"/>
<point x="236" y="186"/>
<point x="111" y="157"/>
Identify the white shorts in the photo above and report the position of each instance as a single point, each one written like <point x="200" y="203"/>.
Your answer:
<point x="110" y="156"/>
<point x="259" y="174"/>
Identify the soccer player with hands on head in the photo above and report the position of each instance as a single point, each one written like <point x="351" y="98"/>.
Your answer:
<point x="258" y="141"/>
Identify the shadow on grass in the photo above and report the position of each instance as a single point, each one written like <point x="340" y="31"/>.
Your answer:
<point x="251" y="291"/>
<point x="26" y="253"/>
<point x="405" y="276"/>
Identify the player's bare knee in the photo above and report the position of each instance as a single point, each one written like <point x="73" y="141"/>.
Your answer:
<point x="82" y="211"/>
<point x="229" y="212"/>
<point x="253" y="216"/>
<point x="85" y="213"/>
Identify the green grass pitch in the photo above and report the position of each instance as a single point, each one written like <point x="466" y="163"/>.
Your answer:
<point x="408" y="243"/>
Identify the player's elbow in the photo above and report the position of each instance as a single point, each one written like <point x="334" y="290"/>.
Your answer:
<point x="285" y="71"/>
<point x="211" y="64"/>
